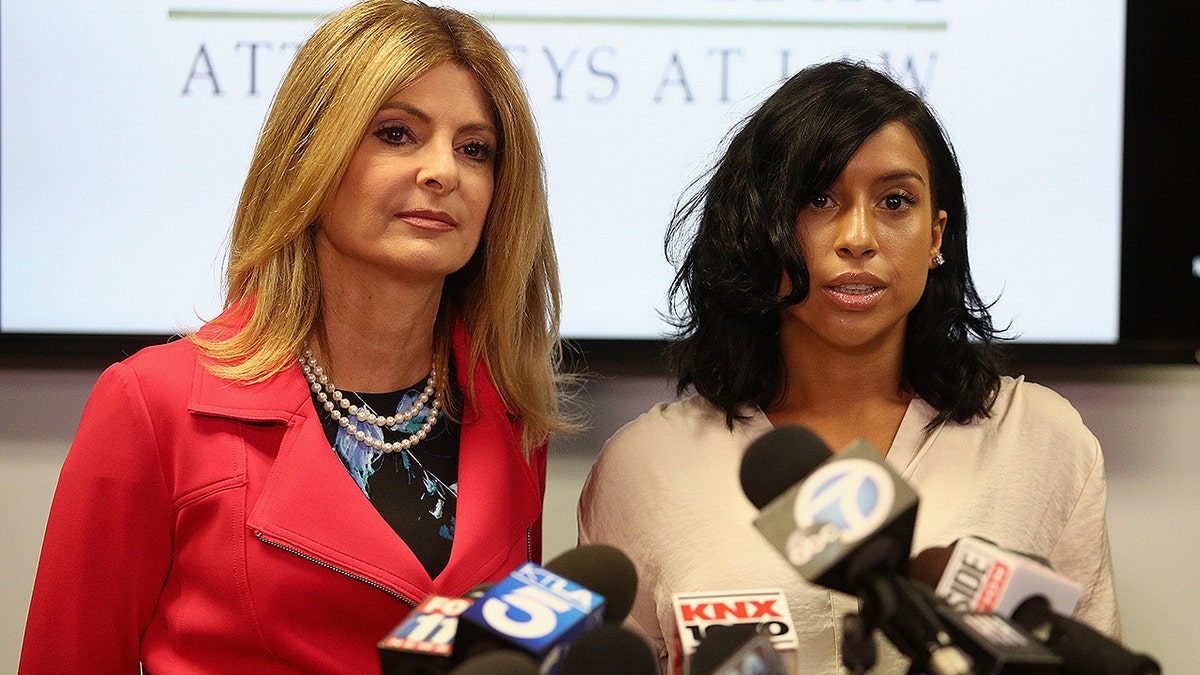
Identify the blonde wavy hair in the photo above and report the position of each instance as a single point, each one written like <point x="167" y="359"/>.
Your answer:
<point x="507" y="295"/>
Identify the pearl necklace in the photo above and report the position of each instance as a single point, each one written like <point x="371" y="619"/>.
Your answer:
<point x="331" y="399"/>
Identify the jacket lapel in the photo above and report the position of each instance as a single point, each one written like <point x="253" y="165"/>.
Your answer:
<point x="311" y="505"/>
<point x="499" y="495"/>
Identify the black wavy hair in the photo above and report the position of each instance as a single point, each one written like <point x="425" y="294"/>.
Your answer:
<point x="724" y="301"/>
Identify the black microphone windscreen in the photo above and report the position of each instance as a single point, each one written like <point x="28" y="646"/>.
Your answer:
<point x="1084" y="650"/>
<point x="778" y="460"/>
<point x="479" y="591"/>
<point x="603" y="569"/>
<point x="719" y="642"/>
<point x="609" y="649"/>
<point x="498" y="662"/>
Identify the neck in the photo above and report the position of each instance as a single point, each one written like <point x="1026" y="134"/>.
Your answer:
<point x="378" y="338"/>
<point x="843" y="394"/>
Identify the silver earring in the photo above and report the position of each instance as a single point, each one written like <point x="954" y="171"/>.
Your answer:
<point x="938" y="259"/>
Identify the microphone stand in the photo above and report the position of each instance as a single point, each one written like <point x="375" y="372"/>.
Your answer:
<point x="858" y="645"/>
<point x="895" y="605"/>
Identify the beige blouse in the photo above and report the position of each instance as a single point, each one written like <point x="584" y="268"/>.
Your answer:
<point x="665" y="490"/>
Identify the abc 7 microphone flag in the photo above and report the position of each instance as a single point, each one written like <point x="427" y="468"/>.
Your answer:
<point x="840" y="503"/>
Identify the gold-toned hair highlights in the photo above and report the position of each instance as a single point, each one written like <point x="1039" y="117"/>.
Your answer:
<point x="350" y="66"/>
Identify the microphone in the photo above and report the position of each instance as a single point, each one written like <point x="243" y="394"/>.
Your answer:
<point x="540" y="613"/>
<point x="427" y="641"/>
<point x="697" y="615"/>
<point x="500" y="662"/>
<point x="983" y="577"/>
<point x="995" y="645"/>
<point x="849" y="515"/>
<point x="605" y="570"/>
<point x="740" y="649"/>
<point x="423" y="642"/>
<point x="609" y="648"/>
<point x="847" y="525"/>
<point x="1084" y="651"/>
<point x="779" y="460"/>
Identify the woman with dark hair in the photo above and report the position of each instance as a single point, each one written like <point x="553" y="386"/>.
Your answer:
<point x="827" y="285"/>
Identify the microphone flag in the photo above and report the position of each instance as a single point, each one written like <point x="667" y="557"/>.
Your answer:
<point x="851" y="503"/>
<point x="532" y="610"/>
<point x="983" y="577"/>
<point x="766" y="609"/>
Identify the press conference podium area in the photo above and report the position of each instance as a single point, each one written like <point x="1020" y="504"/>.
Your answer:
<point x="1144" y="416"/>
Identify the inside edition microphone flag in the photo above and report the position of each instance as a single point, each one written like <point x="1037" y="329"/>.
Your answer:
<point x="983" y="577"/>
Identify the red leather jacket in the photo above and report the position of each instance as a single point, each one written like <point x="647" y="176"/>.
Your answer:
<point x="201" y="525"/>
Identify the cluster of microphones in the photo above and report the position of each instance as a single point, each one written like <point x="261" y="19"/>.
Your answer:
<point x="564" y="617"/>
<point x="845" y="522"/>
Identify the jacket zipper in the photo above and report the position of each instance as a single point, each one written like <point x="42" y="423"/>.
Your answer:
<point x="356" y="577"/>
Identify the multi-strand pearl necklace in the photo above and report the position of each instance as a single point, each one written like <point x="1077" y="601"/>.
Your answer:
<point x="335" y="403"/>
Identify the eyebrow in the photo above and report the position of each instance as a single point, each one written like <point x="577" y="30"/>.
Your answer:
<point x="426" y="119"/>
<point x="901" y="174"/>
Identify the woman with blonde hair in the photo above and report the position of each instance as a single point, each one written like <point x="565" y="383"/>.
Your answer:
<point x="366" y="422"/>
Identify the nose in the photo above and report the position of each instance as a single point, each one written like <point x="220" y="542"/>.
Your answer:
<point x="438" y="169"/>
<point x="856" y="233"/>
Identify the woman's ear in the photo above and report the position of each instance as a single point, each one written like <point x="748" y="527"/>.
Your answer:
<point x="935" y="244"/>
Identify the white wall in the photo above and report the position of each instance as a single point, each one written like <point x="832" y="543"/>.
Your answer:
<point x="1147" y="418"/>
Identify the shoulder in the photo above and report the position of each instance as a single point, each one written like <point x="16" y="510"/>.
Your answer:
<point x="173" y="378"/>
<point x="1020" y="396"/>
<point x="688" y="413"/>
<point x="671" y="462"/>
<point x="671" y="440"/>
<point x="161" y="359"/>
<point x="170" y="366"/>
<point x="651" y="441"/>
<point x="159" y="371"/>
<point x="133" y="407"/>
<point x="1039" y="416"/>
<point x="1032" y="436"/>
<point x="1017" y="477"/>
<point x="678" y="430"/>
<point x="149" y="394"/>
